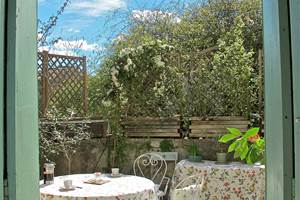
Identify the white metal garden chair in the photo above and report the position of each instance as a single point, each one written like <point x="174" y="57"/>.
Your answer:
<point x="188" y="189"/>
<point x="144" y="166"/>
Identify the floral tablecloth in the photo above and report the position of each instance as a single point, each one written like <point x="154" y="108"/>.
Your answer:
<point x="121" y="188"/>
<point x="232" y="181"/>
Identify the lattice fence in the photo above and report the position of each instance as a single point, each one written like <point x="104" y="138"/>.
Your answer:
<point x="62" y="82"/>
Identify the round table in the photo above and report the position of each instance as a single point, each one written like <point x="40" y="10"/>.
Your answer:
<point x="125" y="187"/>
<point x="224" y="182"/>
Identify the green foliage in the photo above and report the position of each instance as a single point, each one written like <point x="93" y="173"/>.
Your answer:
<point x="193" y="150"/>
<point x="133" y="82"/>
<point x="203" y="64"/>
<point x="138" y="81"/>
<point x="166" y="146"/>
<point x="246" y="146"/>
<point x="222" y="85"/>
<point x="231" y="73"/>
<point x="204" y="24"/>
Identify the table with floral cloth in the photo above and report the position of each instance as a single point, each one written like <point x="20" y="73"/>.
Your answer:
<point x="121" y="188"/>
<point x="232" y="181"/>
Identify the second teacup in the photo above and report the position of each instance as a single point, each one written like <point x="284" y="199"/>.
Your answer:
<point x="115" y="171"/>
<point x="68" y="184"/>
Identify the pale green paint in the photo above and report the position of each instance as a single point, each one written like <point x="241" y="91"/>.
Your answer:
<point x="22" y="102"/>
<point x="278" y="100"/>
<point x="295" y="41"/>
<point x="2" y="24"/>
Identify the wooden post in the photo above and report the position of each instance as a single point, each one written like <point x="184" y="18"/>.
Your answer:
<point x="45" y="92"/>
<point x="278" y="100"/>
<point x="85" y="89"/>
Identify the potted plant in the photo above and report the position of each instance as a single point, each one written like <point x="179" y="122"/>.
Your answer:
<point x="167" y="150"/>
<point x="221" y="152"/>
<point x="194" y="153"/>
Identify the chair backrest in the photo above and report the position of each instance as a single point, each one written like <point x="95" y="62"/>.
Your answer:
<point x="189" y="188"/>
<point x="196" y="180"/>
<point x="147" y="163"/>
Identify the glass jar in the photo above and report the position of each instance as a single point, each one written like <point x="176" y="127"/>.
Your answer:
<point x="49" y="173"/>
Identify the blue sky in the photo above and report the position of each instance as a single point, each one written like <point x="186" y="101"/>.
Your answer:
<point x="94" y="22"/>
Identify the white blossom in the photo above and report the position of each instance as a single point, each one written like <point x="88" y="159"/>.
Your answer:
<point x="158" y="61"/>
<point x="106" y="103"/>
<point x="129" y="63"/>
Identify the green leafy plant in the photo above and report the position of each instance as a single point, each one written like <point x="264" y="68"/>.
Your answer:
<point x="193" y="150"/>
<point x="248" y="146"/>
<point x="166" y="146"/>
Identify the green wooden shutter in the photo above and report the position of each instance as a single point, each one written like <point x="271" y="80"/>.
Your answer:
<point x="21" y="101"/>
<point x="295" y="41"/>
<point x="278" y="100"/>
<point x="2" y="24"/>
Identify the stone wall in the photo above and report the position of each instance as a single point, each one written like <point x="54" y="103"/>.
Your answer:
<point x="93" y="155"/>
<point x="86" y="160"/>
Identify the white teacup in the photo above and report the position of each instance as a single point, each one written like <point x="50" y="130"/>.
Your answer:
<point x="68" y="184"/>
<point x="115" y="171"/>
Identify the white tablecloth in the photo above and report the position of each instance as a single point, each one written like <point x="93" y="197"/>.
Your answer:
<point x="233" y="181"/>
<point x="121" y="188"/>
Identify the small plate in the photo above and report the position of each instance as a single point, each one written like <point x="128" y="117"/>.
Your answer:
<point x="63" y="189"/>
<point x="115" y="176"/>
<point x="96" y="182"/>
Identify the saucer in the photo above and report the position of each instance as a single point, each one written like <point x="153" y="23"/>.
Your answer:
<point x="115" y="176"/>
<point x="63" y="189"/>
<point x="96" y="182"/>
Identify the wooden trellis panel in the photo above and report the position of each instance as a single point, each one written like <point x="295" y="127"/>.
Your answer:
<point x="61" y="80"/>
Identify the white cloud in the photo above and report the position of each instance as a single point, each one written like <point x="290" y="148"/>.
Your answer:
<point x="75" y="44"/>
<point x="73" y="30"/>
<point x="58" y="52"/>
<point x="154" y="15"/>
<point x="95" y="8"/>
<point x="70" y="47"/>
